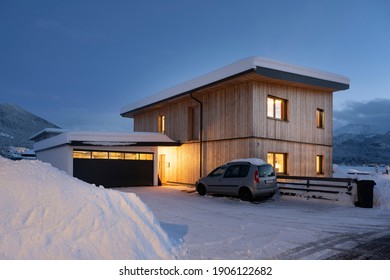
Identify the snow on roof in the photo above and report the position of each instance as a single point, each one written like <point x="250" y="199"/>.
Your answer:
<point x="103" y="139"/>
<point x="47" y="132"/>
<point x="254" y="161"/>
<point x="241" y="66"/>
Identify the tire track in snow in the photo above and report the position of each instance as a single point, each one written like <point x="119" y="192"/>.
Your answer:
<point x="330" y="246"/>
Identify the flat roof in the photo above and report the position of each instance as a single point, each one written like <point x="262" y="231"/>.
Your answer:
<point x="108" y="139"/>
<point x="259" y="65"/>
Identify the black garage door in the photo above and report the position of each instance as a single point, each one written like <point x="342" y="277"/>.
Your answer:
<point x="128" y="169"/>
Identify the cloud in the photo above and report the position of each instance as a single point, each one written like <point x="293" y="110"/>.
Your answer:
<point x="375" y="112"/>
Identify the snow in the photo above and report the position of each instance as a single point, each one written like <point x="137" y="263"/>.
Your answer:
<point x="376" y="173"/>
<point x="214" y="227"/>
<point x="254" y="161"/>
<point x="104" y="138"/>
<point x="46" y="214"/>
<point x="231" y="70"/>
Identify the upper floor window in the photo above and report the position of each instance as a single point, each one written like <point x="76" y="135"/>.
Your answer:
<point x="161" y="124"/>
<point x="277" y="108"/>
<point x="193" y="123"/>
<point x="320" y="118"/>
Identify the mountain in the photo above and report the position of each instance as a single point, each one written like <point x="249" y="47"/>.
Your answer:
<point x="17" y="126"/>
<point x="356" y="129"/>
<point x="357" y="144"/>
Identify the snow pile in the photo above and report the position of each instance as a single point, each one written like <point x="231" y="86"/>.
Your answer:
<point x="382" y="180"/>
<point x="46" y="214"/>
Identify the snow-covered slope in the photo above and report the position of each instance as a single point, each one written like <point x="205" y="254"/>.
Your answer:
<point x="46" y="214"/>
<point x="17" y="126"/>
<point x="359" y="144"/>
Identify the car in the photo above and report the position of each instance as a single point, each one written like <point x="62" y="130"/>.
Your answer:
<point x="247" y="179"/>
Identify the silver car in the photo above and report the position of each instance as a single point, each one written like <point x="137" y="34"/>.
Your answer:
<point x="246" y="178"/>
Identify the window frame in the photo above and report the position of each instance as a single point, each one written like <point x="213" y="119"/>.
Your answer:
<point x="91" y="155"/>
<point x="273" y="163"/>
<point x="193" y="129"/>
<point x="161" y="123"/>
<point x="274" y="110"/>
<point x="320" y="118"/>
<point x="320" y="163"/>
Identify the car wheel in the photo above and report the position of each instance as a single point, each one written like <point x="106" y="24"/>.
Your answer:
<point x="245" y="194"/>
<point x="201" y="189"/>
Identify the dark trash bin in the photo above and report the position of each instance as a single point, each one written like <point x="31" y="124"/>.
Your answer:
<point x="365" y="193"/>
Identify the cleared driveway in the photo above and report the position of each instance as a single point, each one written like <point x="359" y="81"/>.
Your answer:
<point x="226" y="228"/>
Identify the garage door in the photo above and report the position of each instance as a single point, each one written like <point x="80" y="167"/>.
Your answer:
<point x="113" y="169"/>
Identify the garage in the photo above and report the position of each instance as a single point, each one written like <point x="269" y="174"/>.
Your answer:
<point x="109" y="159"/>
<point x="113" y="169"/>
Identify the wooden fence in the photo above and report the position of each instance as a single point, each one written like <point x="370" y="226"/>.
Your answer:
<point x="315" y="187"/>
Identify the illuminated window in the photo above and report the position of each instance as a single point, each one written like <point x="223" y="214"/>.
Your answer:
<point x="116" y="155"/>
<point x="161" y="124"/>
<point x="111" y="155"/>
<point x="131" y="156"/>
<point x="320" y="164"/>
<point x="278" y="161"/>
<point x="99" y="155"/>
<point x="277" y="108"/>
<point x="145" y="156"/>
<point x="82" y="154"/>
<point x="320" y="117"/>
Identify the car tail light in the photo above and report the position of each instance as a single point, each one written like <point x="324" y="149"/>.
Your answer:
<point x="257" y="180"/>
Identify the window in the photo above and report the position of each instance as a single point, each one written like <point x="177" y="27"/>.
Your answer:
<point x="237" y="171"/>
<point x="193" y="127"/>
<point x="82" y="154"/>
<point x="116" y="155"/>
<point x="266" y="171"/>
<point x="79" y="154"/>
<point x="218" y="171"/>
<point x="99" y="155"/>
<point x="320" y="118"/>
<point x="320" y="164"/>
<point x="278" y="161"/>
<point x="277" y="108"/>
<point x="161" y="124"/>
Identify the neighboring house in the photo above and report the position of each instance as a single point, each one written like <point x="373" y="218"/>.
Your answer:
<point x="110" y="159"/>
<point x="252" y="108"/>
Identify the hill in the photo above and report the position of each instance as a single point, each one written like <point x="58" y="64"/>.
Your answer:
<point x="358" y="144"/>
<point x="17" y="126"/>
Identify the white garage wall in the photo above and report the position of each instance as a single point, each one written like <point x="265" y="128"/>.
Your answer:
<point x="60" y="157"/>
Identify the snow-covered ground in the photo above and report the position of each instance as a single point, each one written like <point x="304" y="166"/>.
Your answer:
<point x="46" y="214"/>
<point x="226" y="228"/>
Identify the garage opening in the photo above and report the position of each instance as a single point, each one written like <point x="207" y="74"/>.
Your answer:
<point x="113" y="168"/>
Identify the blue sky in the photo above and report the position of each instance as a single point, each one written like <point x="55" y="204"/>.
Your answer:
<point x="75" y="63"/>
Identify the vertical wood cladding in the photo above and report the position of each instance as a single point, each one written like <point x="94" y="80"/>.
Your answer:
<point x="235" y="125"/>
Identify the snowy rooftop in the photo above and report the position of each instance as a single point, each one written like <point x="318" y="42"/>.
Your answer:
<point x="104" y="139"/>
<point x="261" y="66"/>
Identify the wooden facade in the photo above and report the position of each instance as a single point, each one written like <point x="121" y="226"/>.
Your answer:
<point x="235" y="125"/>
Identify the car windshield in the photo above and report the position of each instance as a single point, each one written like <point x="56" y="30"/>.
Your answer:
<point x="266" y="171"/>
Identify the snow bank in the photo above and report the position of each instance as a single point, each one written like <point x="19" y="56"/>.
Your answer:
<point x="46" y="214"/>
<point x="381" y="189"/>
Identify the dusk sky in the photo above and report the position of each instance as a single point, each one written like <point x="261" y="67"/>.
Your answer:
<point x="76" y="63"/>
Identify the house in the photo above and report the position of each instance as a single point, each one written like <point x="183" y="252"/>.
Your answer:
<point x="255" y="107"/>
<point x="110" y="159"/>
